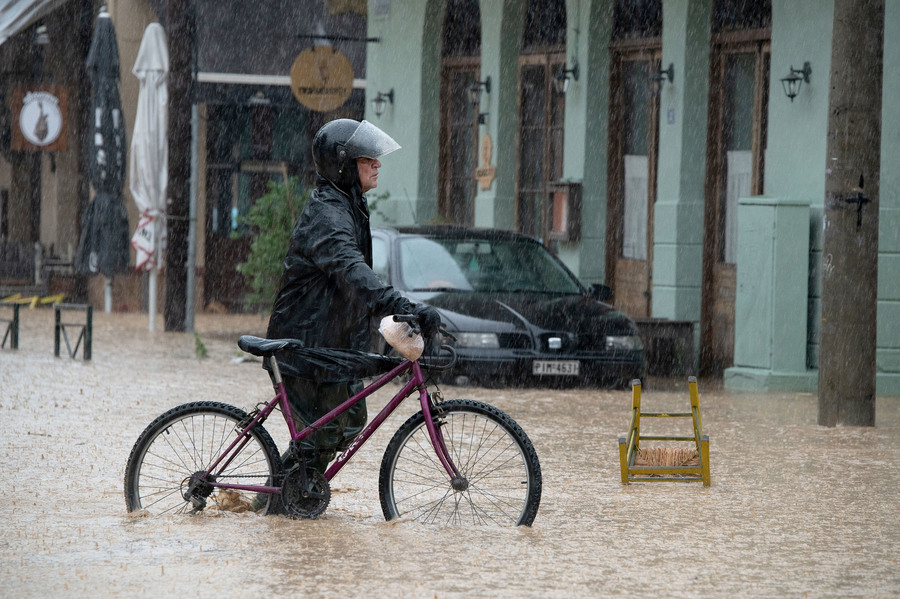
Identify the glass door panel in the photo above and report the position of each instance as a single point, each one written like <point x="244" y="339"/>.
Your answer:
<point x="634" y="141"/>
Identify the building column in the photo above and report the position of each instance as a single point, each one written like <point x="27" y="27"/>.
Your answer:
<point x="501" y="38"/>
<point x="587" y="130"/>
<point x="402" y="60"/>
<point x="888" y="333"/>
<point x="678" y="215"/>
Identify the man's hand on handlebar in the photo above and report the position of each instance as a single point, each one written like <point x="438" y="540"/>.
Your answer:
<point x="415" y="325"/>
<point x="429" y="320"/>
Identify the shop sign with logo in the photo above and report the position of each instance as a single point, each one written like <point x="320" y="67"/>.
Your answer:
<point x="321" y="78"/>
<point x="41" y="118"/>
<point x="486" y="172"/>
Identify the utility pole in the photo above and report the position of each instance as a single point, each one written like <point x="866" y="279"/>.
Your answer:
<point x="850" y="243"/>
<point x="180" y="33"/>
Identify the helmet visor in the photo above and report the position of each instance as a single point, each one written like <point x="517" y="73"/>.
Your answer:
<point x="368" y="141"/>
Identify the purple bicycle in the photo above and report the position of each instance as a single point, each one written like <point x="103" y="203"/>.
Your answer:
<point x="455" y="462"/>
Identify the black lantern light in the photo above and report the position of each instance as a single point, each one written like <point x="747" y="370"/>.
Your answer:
<point x="561" y="81"/>
<point x="661" y="75"/>
<point x="795" y="79"/>
<point x="475" y="90"/>
<point x="380" y="102"/>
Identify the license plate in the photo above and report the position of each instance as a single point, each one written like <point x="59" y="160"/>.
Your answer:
<point x="556" y="367"/>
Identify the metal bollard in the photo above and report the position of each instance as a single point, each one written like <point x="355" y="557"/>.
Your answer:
<point x="86" y="334"/>
<point x="12" y="329"/>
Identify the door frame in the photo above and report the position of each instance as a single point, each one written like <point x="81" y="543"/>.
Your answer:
<point x="449" y="66"/>
<point x="644" y="49"/>
<point x="722" y="44"/>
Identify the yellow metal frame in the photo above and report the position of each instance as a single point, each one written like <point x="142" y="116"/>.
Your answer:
<point x="629" y="446"/>
<point x="33" y="300"/>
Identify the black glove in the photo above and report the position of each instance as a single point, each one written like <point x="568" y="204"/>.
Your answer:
<point x="429" y="320"/>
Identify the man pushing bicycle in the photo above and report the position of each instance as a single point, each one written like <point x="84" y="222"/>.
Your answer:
<point x="328" y="291"/>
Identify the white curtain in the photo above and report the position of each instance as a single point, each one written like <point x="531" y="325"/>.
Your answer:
<point x="637" y="177"/>
<point x="740" y="173"/>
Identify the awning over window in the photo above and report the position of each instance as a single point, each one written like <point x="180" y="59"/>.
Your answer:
<point x="16" y="15"/>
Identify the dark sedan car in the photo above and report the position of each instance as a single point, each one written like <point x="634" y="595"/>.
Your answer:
<point x="518" y="314"/>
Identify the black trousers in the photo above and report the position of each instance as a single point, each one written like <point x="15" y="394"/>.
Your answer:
<point x="309" y="402"/>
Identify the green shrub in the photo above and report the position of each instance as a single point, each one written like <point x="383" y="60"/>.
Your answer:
<point x="271" y="221"/>
<point x="200" y="348"/>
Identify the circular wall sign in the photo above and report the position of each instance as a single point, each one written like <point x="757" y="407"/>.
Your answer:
<point x="321" y="78"/>
<point x="41" y="119"/>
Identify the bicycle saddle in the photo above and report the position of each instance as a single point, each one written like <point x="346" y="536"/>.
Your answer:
<point x="265" y="347"/>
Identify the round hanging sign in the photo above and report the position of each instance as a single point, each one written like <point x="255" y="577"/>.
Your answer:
<point x="321" y="78"/>
<point x="40" y="119"/>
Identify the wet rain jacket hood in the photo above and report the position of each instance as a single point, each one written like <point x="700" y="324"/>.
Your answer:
<point x="328" y="290"/>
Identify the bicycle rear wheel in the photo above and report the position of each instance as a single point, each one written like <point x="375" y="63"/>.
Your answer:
<point x="184" y="442"/>
<point x="493" y="454"/>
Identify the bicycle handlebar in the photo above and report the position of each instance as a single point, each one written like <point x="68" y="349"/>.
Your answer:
<point x="413" y="321"/>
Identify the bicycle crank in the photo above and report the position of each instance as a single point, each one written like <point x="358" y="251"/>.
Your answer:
<point x="305" y="494"/>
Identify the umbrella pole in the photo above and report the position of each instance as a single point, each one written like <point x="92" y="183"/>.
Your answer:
<point x="107" y="296"/>
<point x="151" y="305"/>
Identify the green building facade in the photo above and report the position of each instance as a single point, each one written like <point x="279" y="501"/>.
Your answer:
<point x="695" y="192"/>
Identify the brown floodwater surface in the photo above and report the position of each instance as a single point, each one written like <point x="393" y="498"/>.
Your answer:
<point x="794" y="509"/>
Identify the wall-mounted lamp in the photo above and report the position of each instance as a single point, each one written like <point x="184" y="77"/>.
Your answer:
<point x="475" y="90"/>
<point x="380" y="102"/>
<point x="41" y="36"/>
<point x="795" y="79"/>
<point x="258" y="99"/>
<point x="661" y="75"/>
<point x="561" y="81"/>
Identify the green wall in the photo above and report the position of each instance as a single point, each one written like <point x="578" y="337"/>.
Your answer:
<point x="407" y="59"/>
<point x="888" y="334"/>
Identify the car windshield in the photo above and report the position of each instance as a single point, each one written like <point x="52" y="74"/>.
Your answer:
<point x="471" y="264"/>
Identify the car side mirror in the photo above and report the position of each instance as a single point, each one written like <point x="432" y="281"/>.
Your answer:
<point x="600" y="292"/>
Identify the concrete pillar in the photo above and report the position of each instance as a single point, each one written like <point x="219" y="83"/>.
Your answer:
<point x="400" y="60"/>
<point x="678" y="216"/>
<point x="501" y="38"/>
<point x="587" y="131"/>
<point x="888" y="333"/>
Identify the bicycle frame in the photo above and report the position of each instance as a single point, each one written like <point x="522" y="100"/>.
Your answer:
<point x="416" y="382"/>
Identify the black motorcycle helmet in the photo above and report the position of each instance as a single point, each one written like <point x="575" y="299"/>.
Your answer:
<point x="339" y="143"/>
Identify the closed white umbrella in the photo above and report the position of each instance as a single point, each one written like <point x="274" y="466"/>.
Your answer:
<point x="148" y="165"/>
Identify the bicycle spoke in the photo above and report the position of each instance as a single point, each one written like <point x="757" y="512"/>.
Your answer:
<point x="182" y="444"/>
<point x="487" y="455"/>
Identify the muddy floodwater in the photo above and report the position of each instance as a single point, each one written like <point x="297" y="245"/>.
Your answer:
<point x="794" y="509"/>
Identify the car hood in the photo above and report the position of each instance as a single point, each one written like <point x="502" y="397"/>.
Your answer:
<point x="499" y="312"/>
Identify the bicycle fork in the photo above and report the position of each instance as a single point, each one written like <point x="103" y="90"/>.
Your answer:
<point x="433" y="424"/>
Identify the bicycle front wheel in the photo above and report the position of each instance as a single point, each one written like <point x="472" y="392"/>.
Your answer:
<point x="180" y="445"/>
<point x="502" y="475"/>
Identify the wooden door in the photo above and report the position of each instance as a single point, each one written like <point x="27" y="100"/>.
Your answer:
<point x="634" y="142"/>
<point x="459" y="142"/>
<point x="735" y="167"/>
<point x="541" y="128"/>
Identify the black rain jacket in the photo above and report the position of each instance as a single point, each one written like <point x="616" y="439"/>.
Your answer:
<point x="328" y="290"/>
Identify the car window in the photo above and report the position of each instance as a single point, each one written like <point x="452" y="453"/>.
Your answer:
<point x="380" y="260"/>
<point x="482" y="265"/>
<point x="426" y="264"/>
